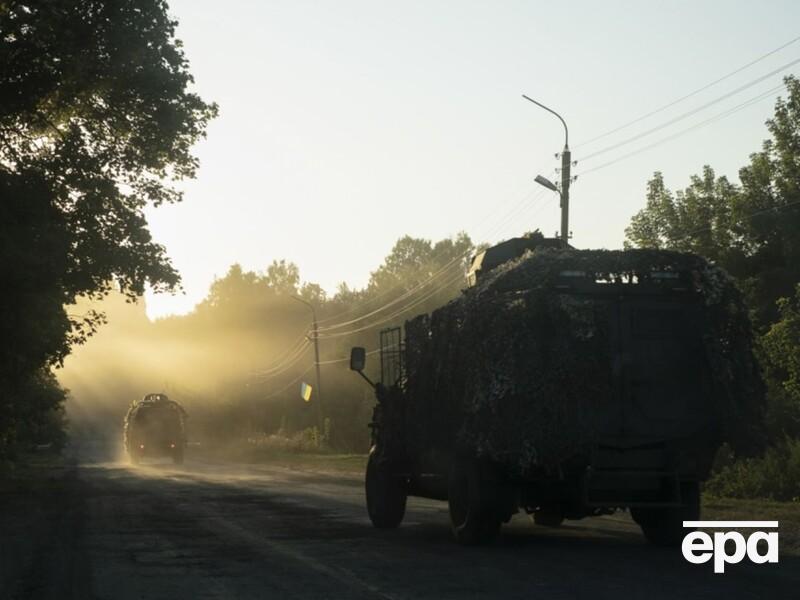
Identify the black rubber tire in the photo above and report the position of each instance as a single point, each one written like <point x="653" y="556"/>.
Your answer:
<point x="664" y="526"/>
<point x="386" y="494"/>
<point x="474" y="518"/>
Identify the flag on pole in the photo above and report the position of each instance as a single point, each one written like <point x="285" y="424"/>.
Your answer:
<point x="305" y="391"/>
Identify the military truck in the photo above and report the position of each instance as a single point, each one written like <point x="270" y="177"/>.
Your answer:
<point x="568" y="384"/>
<point x="154" y="427"/>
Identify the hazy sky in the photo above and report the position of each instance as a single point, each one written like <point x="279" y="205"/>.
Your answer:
<point x="345" y="125"/>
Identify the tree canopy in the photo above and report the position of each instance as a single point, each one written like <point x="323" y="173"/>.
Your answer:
<point x="752" y="228"/>
<point x="97" y="122"/>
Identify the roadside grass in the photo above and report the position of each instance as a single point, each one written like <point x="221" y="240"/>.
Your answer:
<point x="308" y="461"/>
<point x="302" y="461"/>
<point x="733" y="509"/>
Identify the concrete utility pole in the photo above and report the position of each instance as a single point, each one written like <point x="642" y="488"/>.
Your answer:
<point x="566" y="163"/>
<point x="315" y="335"/>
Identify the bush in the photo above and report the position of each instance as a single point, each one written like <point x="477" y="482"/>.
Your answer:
<point x="306" y="440"/>
<point x="34" y="418"/>
<point x="774" y="476"/>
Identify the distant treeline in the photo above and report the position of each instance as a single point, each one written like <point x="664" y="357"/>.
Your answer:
<point x="238" y="359"/>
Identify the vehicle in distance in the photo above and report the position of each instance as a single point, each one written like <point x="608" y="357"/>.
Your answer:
<point x="155" y="426"/>
<point x="566" y="383"/>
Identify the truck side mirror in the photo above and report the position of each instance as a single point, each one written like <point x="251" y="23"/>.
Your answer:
<point x="358" y="359"/>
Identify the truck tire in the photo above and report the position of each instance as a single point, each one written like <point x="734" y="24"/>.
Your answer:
<point x="664" y="526"/>
<point x="177" y="456"/>
<point x="474" y="518"/>
<point x="386" y="494"/>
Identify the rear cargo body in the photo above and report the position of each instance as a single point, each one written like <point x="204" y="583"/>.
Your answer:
<point x="571" y="383"/>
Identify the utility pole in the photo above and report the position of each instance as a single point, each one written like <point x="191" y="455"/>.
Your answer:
<point x="565" y="179"/>
<point x="566" y="163"/>
<point x="315" y="337"/>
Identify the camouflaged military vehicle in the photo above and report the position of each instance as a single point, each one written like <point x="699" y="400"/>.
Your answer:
<point x="568" y="384"/>
<point x="155" y="426"/>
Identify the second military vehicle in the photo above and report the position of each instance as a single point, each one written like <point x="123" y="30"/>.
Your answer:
<point x="155" y="426"/>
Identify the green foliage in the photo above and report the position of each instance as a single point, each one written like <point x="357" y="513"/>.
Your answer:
<point x="34" y="415"/>
<point x="414" y="260"/>
<point x="775" y="476"/>
<point x="96" y="122"/>
<point x="781" y="357"/>
<point x="751" y="229"/>
<point x="782" y="344"/>
<point x="97" y="105"/>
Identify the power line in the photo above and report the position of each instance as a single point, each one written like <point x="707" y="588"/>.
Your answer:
<point x="378" y="296"/>
<point x="775" y="209"/>
<point x="394" y="315"/>
<point x="290" y="384"/>
<point x="287" y="357"/>
<point x="291" y="349"/>
<point x="290" y="360"/>
<point x="691" y="112"/>
<point x="522" y="203"/>
<point x="397" y="300"/>
<point x="520" y="206"/>
<point x="345" y="359"/>
<point x="298" y="355"/>
<point x="710" y="120"/>
<point x="323" y="363"/>
<point x="689" y="95"/>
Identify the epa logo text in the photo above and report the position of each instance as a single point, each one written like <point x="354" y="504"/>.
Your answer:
<point x="759" y="547"/>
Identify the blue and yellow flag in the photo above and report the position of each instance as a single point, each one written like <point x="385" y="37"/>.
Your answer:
<point x="305" y="391"/>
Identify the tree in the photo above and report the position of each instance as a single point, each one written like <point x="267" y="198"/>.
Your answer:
<point x="283" y="277"/>
<point x="781" y="349"/>
<point x="751" y="229"/>
<point x="97" y="119"/>
<point x="414" y="260"/>
<point x="697" y="219"/>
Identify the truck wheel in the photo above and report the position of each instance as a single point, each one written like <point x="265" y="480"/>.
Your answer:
<point x="473" y="515"/>
<point x="386" y="494"/>
<point x="664" y="526"/>
<point x="177" y="456"/>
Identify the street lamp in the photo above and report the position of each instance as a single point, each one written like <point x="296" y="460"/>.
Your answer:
<point x="315" y="335"/>
<point x="565" y="175"/>
<point x="546" y="183"/>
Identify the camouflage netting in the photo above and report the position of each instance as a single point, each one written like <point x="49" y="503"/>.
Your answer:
<point x="159" y="401"/>
<point x="517" y="371"/>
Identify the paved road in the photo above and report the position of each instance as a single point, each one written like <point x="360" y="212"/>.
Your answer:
<point x="221" y="531"/>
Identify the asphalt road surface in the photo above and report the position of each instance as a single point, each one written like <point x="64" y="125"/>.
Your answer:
<point x="203" y="530"/>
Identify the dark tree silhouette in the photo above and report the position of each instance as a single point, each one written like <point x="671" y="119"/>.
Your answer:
<point x="97" y="119"/>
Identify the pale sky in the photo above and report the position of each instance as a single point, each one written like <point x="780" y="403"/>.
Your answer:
<point x="346" y="125"/>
